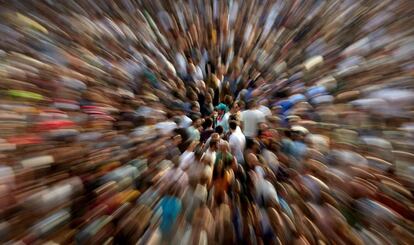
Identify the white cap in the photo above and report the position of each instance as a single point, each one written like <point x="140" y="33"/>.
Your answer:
<point x="300" y="129"/>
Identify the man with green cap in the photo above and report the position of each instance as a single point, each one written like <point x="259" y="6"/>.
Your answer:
<point x="222" y="116"/>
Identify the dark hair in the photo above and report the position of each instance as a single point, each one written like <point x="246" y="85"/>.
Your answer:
<point x="194" y="104"/>
<point x="251" y="143"/>
<point x="207" y="123"/>
<point x="228" y="100"/>
<point x="233" y="118"/>
<point x="251" y="103"/>
<point x="233" y="125"/>
<point x="198" y="153"/>
<point x="213" y="143"/>
<point x="219" y="129"/>
<point x="241" y="104"/>
<point x="194" y="117"/>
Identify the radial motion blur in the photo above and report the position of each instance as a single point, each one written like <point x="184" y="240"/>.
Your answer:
<point x="207" y="122"/>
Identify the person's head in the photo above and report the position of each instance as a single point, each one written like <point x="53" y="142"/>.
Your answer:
<point x="253" y="145"/>
<point x="263" y="126"/>
<point x="233" y="118"/>
<point x="177" y="120"/>
<point x="235" y="107"/>
<point x="264" y="102"/>
<point x="208" y="123"/>
<point x="211" y="92"/>
<point x="195" y="106"/>
<point x="299" y="133"/>
<point x="224" y="146"/>
<point x="192" y="95"/>
<point x="177" y="139"/>
<point x="221" y="109"/>
<point x="276" y="110"/>
<point x="196" y="121"/>
<point x="251" y="104"/>
<point x="219" y="130"/>
<point x="233" y="125"/>
<point x="215" y="138"/>
<point x="198" y="153"/>
<point x="241" y="105"/>
<point x="228" y="100"/>
<point x="252" y="160"/>
<point x="209" y="98"/>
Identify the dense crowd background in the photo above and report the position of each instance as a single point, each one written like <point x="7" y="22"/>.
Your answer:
<point x="207" y="122"/>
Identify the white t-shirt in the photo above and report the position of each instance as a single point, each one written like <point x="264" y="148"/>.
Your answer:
<point x="198" y="74"/>
<point x="225" y="122"/>
<point x="265" y="110"/>
<point x="181" y="64"/>
<point x="251" y="120"/>
<point x="212" y="155"/>
<point x="166" y="127"/>
<point x="186" y="159"/>
<point x="185" y="122"/>
<point x="264" y="189"/>
<point x="237" y="143"/>
<point x="271" y="159"/>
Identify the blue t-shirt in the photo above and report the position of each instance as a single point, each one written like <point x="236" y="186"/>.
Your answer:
<point x="299" y="149"/>
<point x="315" y="90"/>
<point x="171" y="208"/>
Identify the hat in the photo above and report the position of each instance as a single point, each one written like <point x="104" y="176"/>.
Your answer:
<point x="222" y="107"/>
<point x="300" y="129"/>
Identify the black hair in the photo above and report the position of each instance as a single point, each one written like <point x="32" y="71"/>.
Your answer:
<point x="219" y="129"/>
<point x="251" y="143"/>
<point x="213" y="144"/>
<point x="228" y="100"/>
<point x="232" y="118"/>
<point x="207" y="123"/>
<point x="233" y="125"/>
<point x="194" y="117"/>
<point x="288" y="133"/>
<point x="281" y="94"/>
<point x="198" y="152"/>
<point x="251" y="103"/>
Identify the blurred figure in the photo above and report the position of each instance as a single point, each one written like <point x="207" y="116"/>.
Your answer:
<point x="206" y="122"/>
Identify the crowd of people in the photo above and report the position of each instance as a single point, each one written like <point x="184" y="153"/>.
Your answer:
<point x="207" y="122"/>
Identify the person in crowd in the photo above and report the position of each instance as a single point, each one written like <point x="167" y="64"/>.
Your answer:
<point x="251" y="118"/>
<point x="306" y="110"/>
<point x="237" y="141"/>
<point x="207" y="130"/>
<point x="207" y="107"/>
<point x="217" y="135"/>
<point x="194" y="129"/>
<point x="235" y="111"/>
<point x="171" y="207"/>
<point x="222" y="116"/>
<point x="224" y="157"/>
<point x="195" y="110"/>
